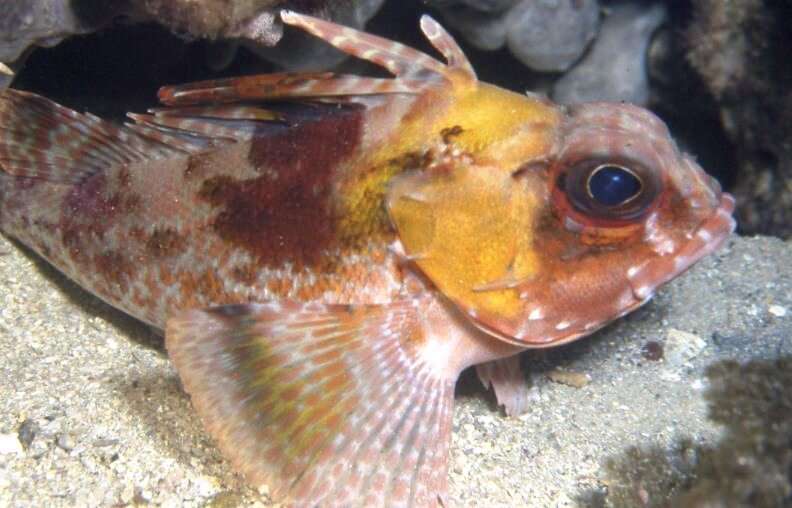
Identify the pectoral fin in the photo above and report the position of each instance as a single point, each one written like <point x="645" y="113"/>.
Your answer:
<point x="328" y="405"/>
<point x="508" y="381"/>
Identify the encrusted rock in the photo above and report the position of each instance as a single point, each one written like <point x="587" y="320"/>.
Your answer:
<point x="551" y="35"/>
<point x="300" y="51"/>
<point x="614" y="69"/>
<point x="45" y="23"/>
<point x="741" y="51"/>
<point x="479" y="5"/>
<point x="25" y="24"/>
<point x="482" y="30"/>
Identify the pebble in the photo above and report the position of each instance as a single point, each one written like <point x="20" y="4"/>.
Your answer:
<point x="127" y="494"/>
<point x="777" y="310"/>
<point x="615" y="67"/>
<point x="551" y="35"/>
<point x="681" y="347"/>
<point x="569" y="378"/>
<point x="101" y="443"/>
<point x="226" y="499"/>
<point x="652" y="351"/>
<point x="481" y="30"/>
<point x="10" y="445"/>
<point x="27" y="432"/>
<point x="489" y="5"/>
<point x="300" y="52"/>
<point x="65" y="442"/>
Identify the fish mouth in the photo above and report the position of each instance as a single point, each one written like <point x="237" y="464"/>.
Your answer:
<point x="706" y="239"/>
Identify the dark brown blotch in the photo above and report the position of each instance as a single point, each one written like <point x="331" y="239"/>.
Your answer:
<point x="449" y="133"/>
<point x="313" y="148"/>
<point x="245" y="274"/>
<point x="91" y="207"/>
<point x="201" y="289"/>
<point x="652" y="351"/>
<point x="116" y="268"/>
<point x="164" y="243"/>
<point x="198" y="165"/>
<point x="412" y="161"/>
<point x="124" y="178"/>
<point x="291" y="217"/>
<point x="230" y="311"/>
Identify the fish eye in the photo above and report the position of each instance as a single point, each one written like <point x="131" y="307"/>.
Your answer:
<point x="613" y="185"/>
<point x="610" y="190"/>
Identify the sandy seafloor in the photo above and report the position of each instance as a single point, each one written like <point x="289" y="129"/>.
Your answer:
<point x="92" y="414"/>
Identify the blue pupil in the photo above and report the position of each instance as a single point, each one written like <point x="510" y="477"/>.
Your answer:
<point x="612" y="185"/>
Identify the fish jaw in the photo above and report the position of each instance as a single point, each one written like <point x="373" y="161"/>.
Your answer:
<point x="547" y="263"/>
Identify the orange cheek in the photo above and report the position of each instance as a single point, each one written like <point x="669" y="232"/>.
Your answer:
<point x="611" y="236"/>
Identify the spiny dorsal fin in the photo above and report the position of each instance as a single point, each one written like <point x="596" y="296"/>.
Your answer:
<point x="402" y="61"/>
<point x="284" y="86"/>
<point x="414" y="71"/>
<point x="447" y="46"/>
<point x="329" y="405"/>
<point x="42" y="139"/>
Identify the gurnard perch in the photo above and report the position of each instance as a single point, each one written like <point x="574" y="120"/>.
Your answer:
<point x="326" y="253"/>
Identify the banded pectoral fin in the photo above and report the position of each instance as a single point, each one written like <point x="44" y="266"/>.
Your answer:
<point x="327" y="405"/>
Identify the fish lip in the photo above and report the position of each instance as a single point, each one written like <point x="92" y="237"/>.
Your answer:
<point x="705" y="240"/>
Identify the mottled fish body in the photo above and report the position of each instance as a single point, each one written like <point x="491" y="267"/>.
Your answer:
<point x="326" y="253"/>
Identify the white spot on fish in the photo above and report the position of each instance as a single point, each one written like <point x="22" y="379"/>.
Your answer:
<point x="681" y="262"/>
<point x="705" y="235"/>
<point x="633" y="270"/>
<point x="535" y="314"/>
<point x="643" y="293"/>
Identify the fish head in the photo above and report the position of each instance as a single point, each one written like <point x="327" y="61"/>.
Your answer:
<point x="544" y="244"/>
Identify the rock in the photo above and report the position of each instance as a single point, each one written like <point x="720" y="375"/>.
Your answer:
<point x="482" y="23"/>
<point x="255" y="23"/>
<point x="479" y="5"/>
<point x="485" y="31"/>
<point x="741" y="52"/>
<point x="551" y="35"/>
<point x="65" y="442"/>
<point x="25" y="23"/>
<point x="300" y="51"/>
<point x="652" y="351"/>
<point x="27" y="432"/>
<point x="681" y="347"/>
<point x="569" y="378"/>
<point x="10" y="445"/>
<point x="614" y="69"/>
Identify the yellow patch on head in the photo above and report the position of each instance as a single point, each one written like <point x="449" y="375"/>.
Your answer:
<point x="469" y="229"/>
<point x="465" y="219"/>
<point x="496" y="126"/>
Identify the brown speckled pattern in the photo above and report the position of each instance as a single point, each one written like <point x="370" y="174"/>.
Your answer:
<point x="252" y="221"/>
